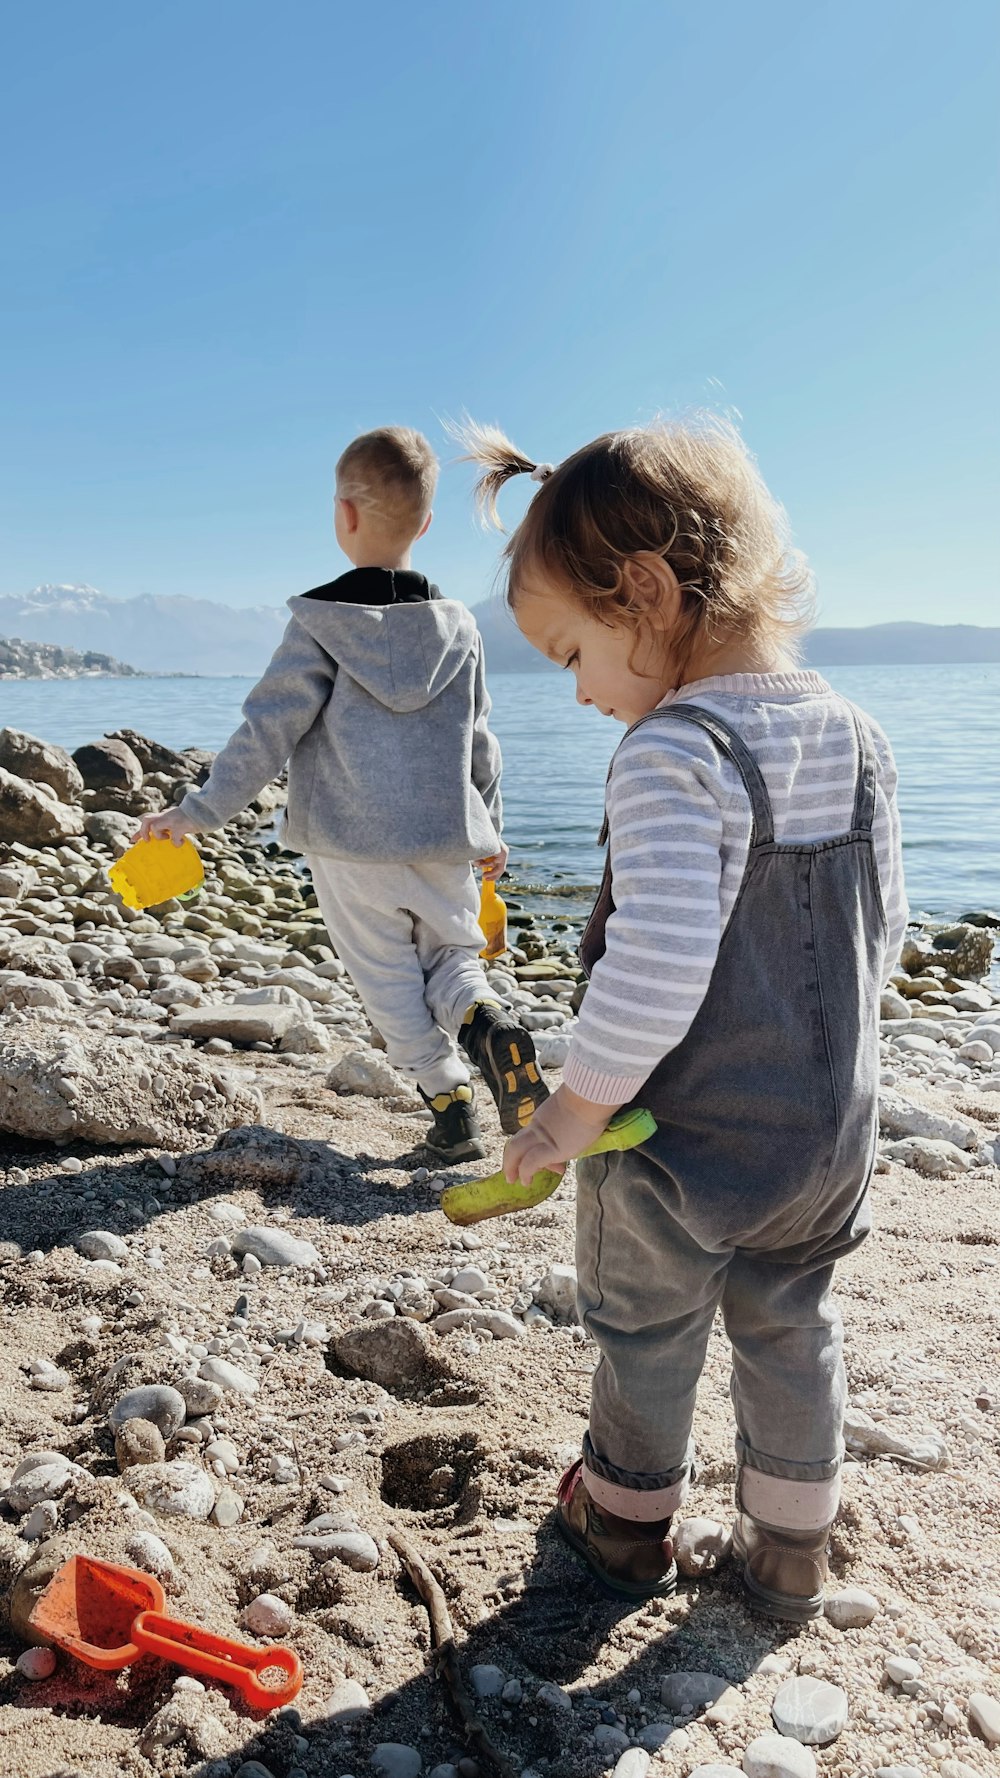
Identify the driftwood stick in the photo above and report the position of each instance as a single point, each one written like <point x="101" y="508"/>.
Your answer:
<point x="446" y="1654"/>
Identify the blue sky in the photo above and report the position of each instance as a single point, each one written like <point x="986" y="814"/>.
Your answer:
<point x="236" y="234"/>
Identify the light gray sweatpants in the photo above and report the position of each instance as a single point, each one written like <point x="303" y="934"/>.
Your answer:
<point x="408" y="936"/>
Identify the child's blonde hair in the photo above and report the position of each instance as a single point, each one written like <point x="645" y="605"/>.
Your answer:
<point x="689" y="491"/>
<point x="392" y="474"/>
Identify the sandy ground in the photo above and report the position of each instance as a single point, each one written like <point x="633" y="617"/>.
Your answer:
<point x="466" y="1464"/>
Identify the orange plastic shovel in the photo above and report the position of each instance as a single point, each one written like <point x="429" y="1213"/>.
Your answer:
<point x="108" y="1616"/>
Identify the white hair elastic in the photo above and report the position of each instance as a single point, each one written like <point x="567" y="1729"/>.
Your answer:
<point x="541" y="472"/>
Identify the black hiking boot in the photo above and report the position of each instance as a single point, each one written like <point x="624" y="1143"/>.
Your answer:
<point x="455" y="1134"/>
<point x="505" y="1054"/>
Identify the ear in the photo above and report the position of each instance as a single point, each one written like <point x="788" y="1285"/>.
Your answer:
<point x="349" y="514"/>
<point x="654" y="588"/>
<point x="425" y="527"/>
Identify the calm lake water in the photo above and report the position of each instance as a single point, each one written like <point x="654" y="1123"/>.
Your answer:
<point x="944" y="724"/>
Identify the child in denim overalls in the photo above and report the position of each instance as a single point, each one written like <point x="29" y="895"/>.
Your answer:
<point x="751" y="910"/>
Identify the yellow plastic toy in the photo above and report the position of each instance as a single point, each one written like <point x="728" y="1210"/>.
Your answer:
<point x="154" y="871"/>
<point x="478" y="1199"/>
<point x="493" y="920"/>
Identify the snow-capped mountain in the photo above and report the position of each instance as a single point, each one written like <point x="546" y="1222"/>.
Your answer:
<point x="168" y="634"/>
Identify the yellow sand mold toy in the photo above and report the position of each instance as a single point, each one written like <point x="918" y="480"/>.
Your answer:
<point x="492" y="920"/>
<point x="154" y="871"/>
<point x="478" y="1199"/>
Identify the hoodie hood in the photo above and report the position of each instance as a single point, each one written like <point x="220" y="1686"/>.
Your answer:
<point x="402" y="654"/>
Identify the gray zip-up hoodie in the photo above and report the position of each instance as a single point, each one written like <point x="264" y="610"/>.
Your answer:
<point x="381" y="711"/>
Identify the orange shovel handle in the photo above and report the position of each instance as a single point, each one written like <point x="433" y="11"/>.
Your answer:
<point x="236" y="1663"/>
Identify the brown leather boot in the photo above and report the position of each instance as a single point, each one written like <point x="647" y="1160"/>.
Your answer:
<point x="628" y="1559"/>
<point x="783" y="1571"/>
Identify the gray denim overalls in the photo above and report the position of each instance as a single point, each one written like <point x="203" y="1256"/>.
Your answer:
<point x="755" y="1183"/>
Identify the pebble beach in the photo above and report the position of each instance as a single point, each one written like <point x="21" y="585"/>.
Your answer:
<point x="245" y="1352"/>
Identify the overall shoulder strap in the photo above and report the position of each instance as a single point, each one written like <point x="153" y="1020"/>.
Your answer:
<point x="864" y="796"/>
<point x="729" y="743"/>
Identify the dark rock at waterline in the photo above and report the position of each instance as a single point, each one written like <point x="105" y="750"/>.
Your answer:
<point x="109" y="765"/>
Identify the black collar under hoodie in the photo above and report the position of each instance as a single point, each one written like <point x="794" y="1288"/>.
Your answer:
<point x="376" y="586"/>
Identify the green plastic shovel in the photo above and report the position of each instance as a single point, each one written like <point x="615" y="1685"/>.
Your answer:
<point x="477" y="1199"/>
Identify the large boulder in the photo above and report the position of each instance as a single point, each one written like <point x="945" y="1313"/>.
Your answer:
<point x="153" y="757"/>
<point x="109" y="765"/>
<point x="35" y="816"/>
<point x="59" y="1081"/>
<point x="40" y="763"/>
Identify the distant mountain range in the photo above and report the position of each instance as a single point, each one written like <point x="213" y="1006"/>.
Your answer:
<point x="171" y="634"/>
<point x="167" y="634"/>
<point x="875" y="645"/>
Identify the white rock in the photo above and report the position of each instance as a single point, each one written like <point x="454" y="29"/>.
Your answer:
<point x="916" y="1045"/>
<point x="717" y="1769"/>
<point x="774" y="1756"/>
<point x="900" y="1668"/>
<point x="274" y="1247"/>
<point x="394" y="1760"/>
<point x="869" y="1438"/>
<point x="557" y="1291"/>
<point x="223" y="1452"/>
<point x="701" y="1545"/>
<point x="174" y="1490"/>
<point x="150" y="1552"/>
<point x="481" y="1320"/>
<point x="368" y="1073"/>
<point x="471" y="1280"/>
<point x="47" y="1376"/>
<point x="348" y="1702"/>
<point x="851" y="1609"/>
<point x="41" y="1520"/>
<point x="810" y="1710"/>
<point x="975" y="1051"/>
<point x="41" y="1481"/>
<point x="984" y="1716"/>
<point x="932" y="1159"/>
<point x="36" y="1663"/>
<point x="267" y="1615"/>
<point x="551" y="1050"/>
<point x="228" y="1509"/>
<point x="163" y="1406"/>
<point x="228" y="1376"/>
<point x="101" y="1244"/>
<point x="354" y="1548"/>
<point x="900" y="1117"/>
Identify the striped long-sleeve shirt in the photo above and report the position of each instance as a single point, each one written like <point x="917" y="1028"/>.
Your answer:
<point x="680" y="835"/>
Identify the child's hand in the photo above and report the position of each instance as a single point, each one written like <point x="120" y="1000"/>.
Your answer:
<point x="169" y="824"/>
<point x="560" y="1129"/>
<point x="493" y="868"/>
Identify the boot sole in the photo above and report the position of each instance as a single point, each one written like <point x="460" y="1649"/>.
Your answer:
<point x="789" y="1608"/>
<point x="513" y="1078"/>
<point x="473" y="1150"/>
<point x="615" y="1589"/>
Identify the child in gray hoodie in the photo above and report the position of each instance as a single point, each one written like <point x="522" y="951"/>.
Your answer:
<point x="376" y="698"/>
